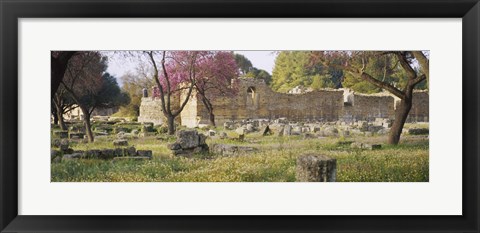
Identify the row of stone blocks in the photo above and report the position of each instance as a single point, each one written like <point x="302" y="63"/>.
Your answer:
<point x="67" y="134"/>
<point x="117" y="153"/>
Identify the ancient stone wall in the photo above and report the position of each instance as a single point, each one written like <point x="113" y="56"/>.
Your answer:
<point x="253" y="99"/>
<point x="368" y="107"/>
<point x="151" y="111"/>
<point x="189" y="115"/>
<point x="420" y="107"/>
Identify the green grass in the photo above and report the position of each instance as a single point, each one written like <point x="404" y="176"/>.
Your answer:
<point x="275" y="161"/>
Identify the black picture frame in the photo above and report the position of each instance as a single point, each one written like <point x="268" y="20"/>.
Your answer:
<point x="11" y="11"/>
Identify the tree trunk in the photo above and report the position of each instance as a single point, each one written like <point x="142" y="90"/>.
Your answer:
<point x="55" y="119"/>
<point x="60" y="120"/>
<point x="400" y="117"/>
<point x="208" y="105"/>
<point x="171" y="124"/>
<point x="58" y="66"/>
<point x="88" y="127"/>
<point x="54" y="114"/>
<point x="212" y="118"/>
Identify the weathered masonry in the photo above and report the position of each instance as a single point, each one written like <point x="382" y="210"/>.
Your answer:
<point x="255" y="100"/>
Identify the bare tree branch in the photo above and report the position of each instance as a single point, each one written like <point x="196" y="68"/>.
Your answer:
<point x="157" y="81"/>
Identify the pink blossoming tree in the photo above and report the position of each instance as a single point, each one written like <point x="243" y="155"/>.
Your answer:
<point x="217" y="72"/>
<point x="179" y="73"/>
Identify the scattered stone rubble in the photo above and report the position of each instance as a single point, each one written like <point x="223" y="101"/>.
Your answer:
<point x="231" y="150"/>
<point x="360" y="145"/>
<point x="283" y="127"/>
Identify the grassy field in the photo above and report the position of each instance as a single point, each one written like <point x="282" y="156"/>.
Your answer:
<point x="273" y="162"/>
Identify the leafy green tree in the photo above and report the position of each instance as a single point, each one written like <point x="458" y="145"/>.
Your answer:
<point x="249" y="71"/>
<point x="322" y="81"/>
<point x="409" y="69"/>
<point x="295" y="68"/>
<point x="243" y="63"/>
<point x="385" y="68"/>
<point x="90" y="87"/>
<point x="133" y="84"/>
<point x="259" y="74"/>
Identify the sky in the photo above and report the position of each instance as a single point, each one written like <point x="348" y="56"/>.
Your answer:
<point x="264" y="60"/>
<point x="260" y="59"/>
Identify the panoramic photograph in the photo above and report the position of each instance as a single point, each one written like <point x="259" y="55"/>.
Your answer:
<point x="239" y="116"/>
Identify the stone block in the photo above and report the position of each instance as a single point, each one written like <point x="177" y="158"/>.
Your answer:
<point x="231" y="150"/>
<point x="54" y="154"/>
<point x="316" y="168"/>
<point x="373" y="146"/>
<point x="76" y="135"/>
<point x="61" y="133"/>
<point x="188" y="138"/>
<point x="383" y="131"/>
<point x="92" y="154"/>
<point x="281" y="131"/>
<point x="129" y="151"/>
<point x="118" y="152"/>
<point x="132" y="158"/>
<point x="330" y="131"/>
<point x="135" y="132"/>
<point x="309" y="136"/>
<point x="174" y="146"/>
<point x="120" y="142"/>
<point x="212" y="133"/>
<point x="107" y="154"/>
<point x="73" y="156"/>
<point x="266" y="131"/>
<point x="287" y="131"/>
<point x="145" y="153"/>
<point x="240" y="131"/>
<point x="418" y="131"/>
<point x="249" y="128"/>
<point x="365" y="146"/>
<point x="356" y="145"/>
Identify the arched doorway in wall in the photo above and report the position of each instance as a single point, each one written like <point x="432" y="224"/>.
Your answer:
<point x="252" y="98"/>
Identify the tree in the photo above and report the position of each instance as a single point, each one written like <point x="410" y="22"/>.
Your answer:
<point x="61" y="104"/>
<point x="177" y="73"/>
<point x="90" y="87"/>
<point x="246" y="69"/>
<point x="357" y="64"/>
<point x="58" y="65"/>
<point x="215" y="73"/>
<point x="133" y="84"/>
<point x="259" y="74"/>
<point x="296" y="68"/>
<point x="243" y="63"/>
<point x="380" y="67"/>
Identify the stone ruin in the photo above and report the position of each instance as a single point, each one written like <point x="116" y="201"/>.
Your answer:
<point x="64" y="152"/>
<point x="284" y="127"/>
<point x="231" y="150"/>
<point x="255" y="100"/>
<point x="189" y="142"/>
<point x="316" y="168"/>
